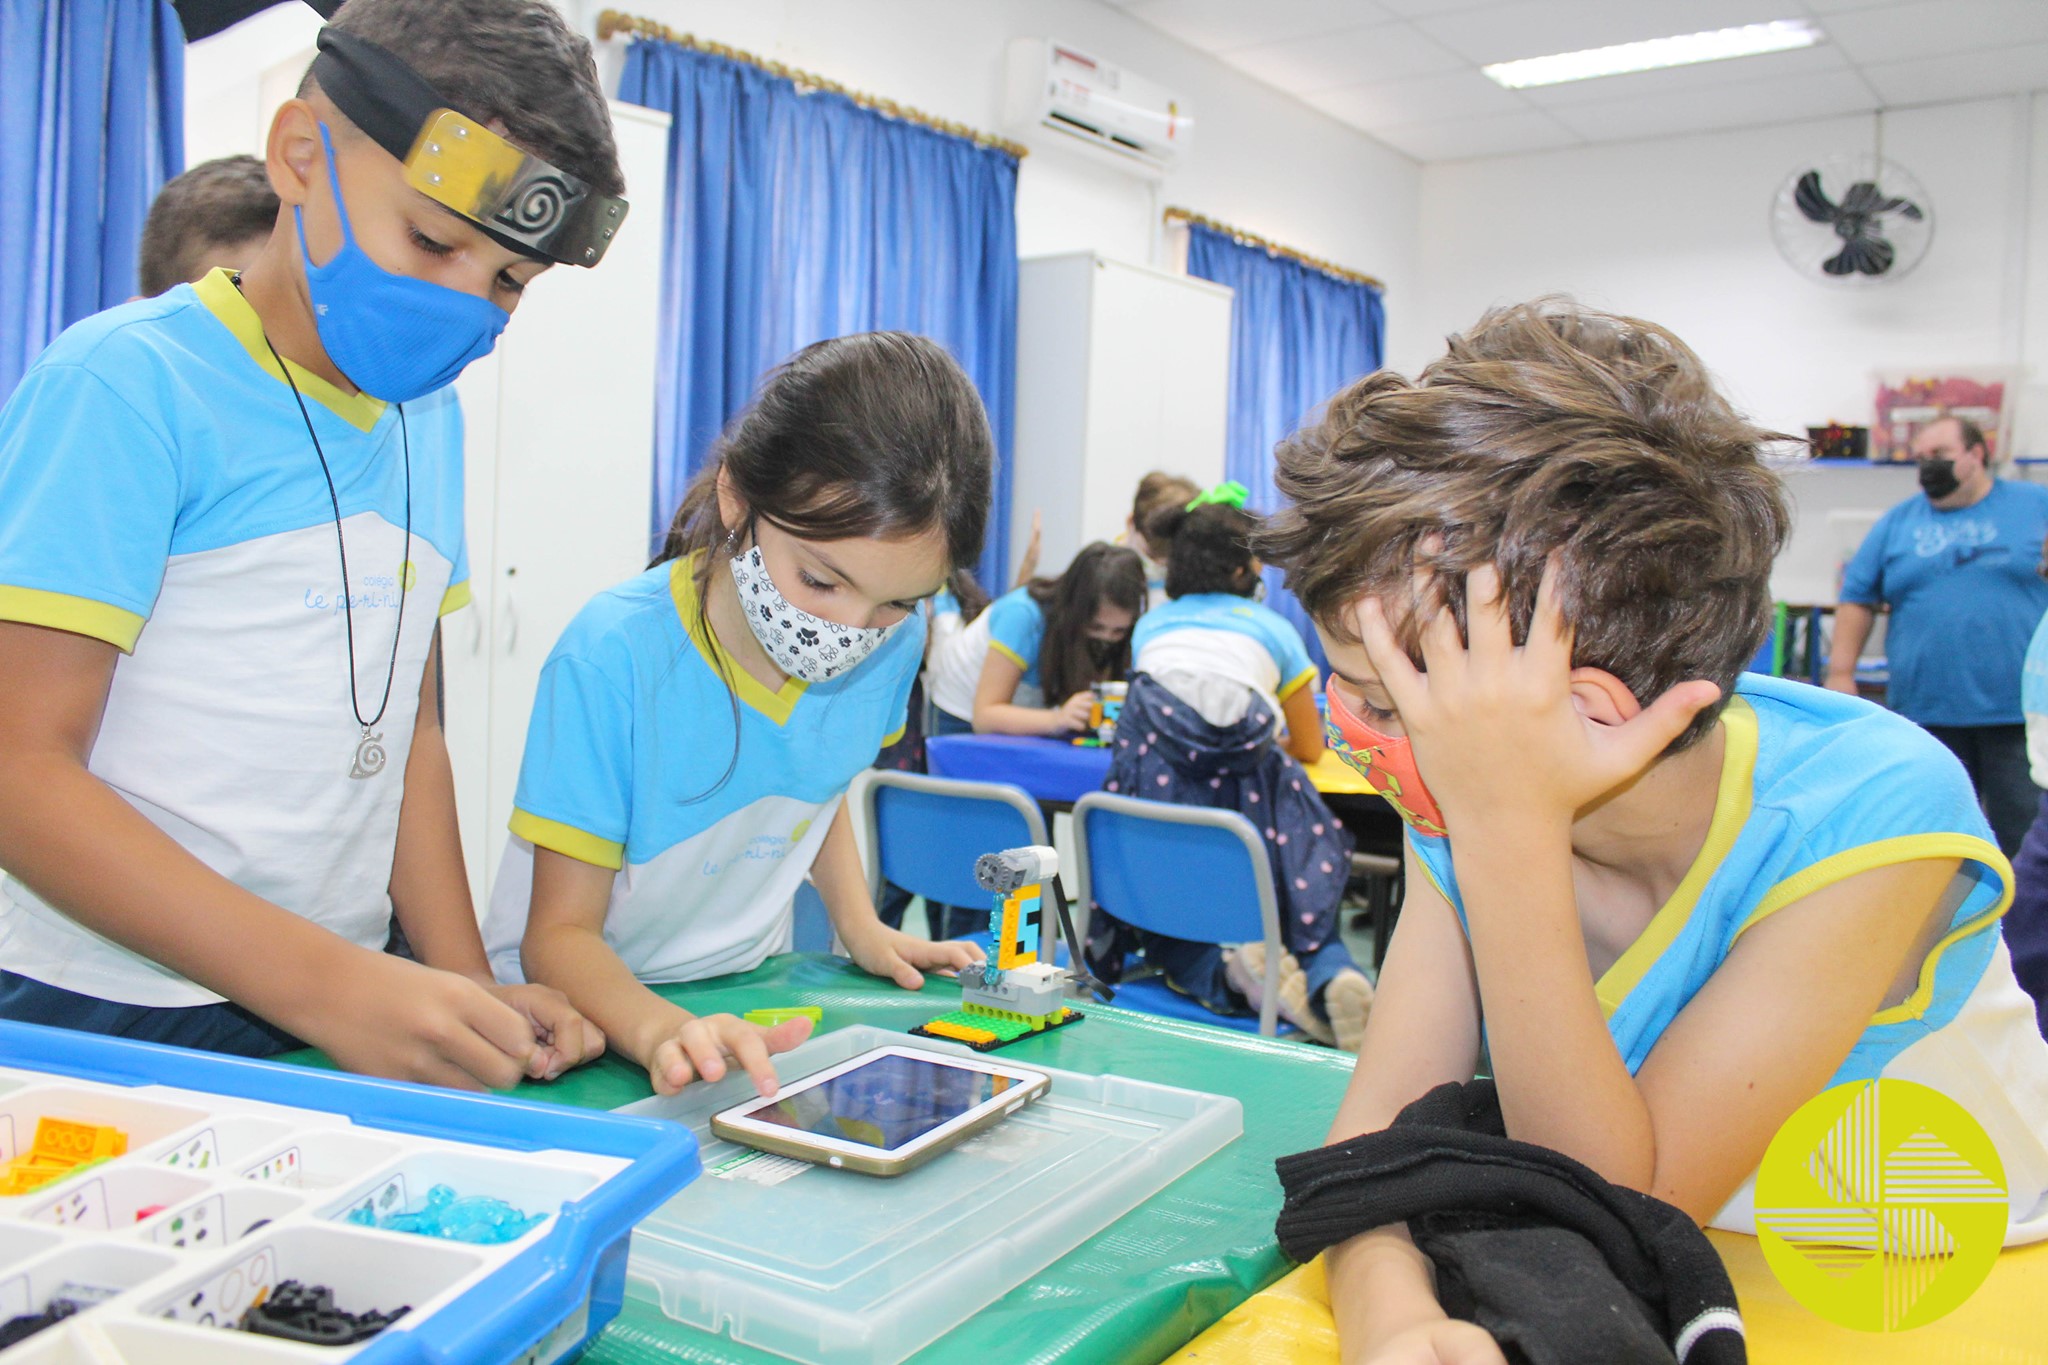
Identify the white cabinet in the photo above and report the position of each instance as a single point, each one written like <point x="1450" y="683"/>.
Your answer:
<point x="559" y="471"/>
<point x="1121" y="369"/>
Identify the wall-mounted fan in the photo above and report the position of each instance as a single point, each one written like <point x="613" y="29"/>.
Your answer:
<point x="1853" y="220"/>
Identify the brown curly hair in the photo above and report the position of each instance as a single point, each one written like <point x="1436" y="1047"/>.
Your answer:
<point x="1548" y="430"/>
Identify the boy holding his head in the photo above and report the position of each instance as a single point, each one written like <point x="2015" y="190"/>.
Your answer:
<point x="229" y="517"/>
<point x="1673" y="899"/>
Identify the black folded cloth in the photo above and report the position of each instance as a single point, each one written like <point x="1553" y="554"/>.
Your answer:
<point x="1560" y="1265"/>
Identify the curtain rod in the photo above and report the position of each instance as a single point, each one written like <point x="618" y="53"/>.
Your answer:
<point x="613" y="22"/>
<point x="1271" y="248"/>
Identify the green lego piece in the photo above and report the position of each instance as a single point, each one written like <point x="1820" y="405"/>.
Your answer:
<point x="769" y="1018"/>
<point x="1009" y="1030"/>
<point x="1006" y="1031"/>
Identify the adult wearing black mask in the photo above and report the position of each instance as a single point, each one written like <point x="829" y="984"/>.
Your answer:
<point x="1956" y="565"/>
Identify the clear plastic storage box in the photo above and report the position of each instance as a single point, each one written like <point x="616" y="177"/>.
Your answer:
<point x="837" y="1268"/>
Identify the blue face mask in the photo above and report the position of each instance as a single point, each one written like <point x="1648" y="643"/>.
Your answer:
<point x="395" y="337"/>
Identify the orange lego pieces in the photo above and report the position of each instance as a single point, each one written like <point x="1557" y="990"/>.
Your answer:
<point x="962" y="1032"/>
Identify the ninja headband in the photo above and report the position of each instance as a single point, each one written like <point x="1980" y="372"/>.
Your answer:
<point x="519" y="201"/>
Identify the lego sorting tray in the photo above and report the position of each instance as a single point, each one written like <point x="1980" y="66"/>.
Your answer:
<point x="240" y="1175"/>
<point x="836" y="1268"/>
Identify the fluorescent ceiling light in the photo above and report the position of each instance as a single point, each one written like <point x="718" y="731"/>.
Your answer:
<point x="1749" y="40"/>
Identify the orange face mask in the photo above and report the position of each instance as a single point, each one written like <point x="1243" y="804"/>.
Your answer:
<point x="1386" y="762"/>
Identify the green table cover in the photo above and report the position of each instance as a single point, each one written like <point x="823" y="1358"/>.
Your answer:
<point x="1137" y="1291"/>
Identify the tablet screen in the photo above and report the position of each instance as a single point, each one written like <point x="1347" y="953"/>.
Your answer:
<point x="885" y="1102"/>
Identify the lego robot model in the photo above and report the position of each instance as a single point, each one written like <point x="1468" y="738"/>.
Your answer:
<point x="1015" y="995"/>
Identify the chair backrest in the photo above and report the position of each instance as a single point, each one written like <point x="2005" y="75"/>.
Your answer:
<point x="1192" y="872"/>
<point x="924" y="833"/>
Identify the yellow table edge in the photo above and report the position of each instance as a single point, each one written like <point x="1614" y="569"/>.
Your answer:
<point x="2004" y="1323"/>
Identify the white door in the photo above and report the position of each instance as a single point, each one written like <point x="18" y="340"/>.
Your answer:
<point x="561" y="422"/>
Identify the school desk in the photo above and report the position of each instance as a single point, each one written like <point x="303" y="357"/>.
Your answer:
<point x="1060" y="772"/>
<point x="1132" y="1294"/>
<point x="2001" y="1324"/>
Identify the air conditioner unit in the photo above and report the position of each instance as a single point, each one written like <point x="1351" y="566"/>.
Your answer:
<point x="1059" y="95"/>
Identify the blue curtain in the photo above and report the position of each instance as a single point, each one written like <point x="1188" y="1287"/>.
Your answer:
<point x="795" y="217"/>
<point x="1297" y="335"/>
<point x="92" y="122"/>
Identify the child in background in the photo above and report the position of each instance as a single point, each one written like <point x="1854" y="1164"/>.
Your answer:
<point x="1539" y="571"/>
<point x="1057" y="638"/>
<point x="218" y="214"/>
<point x="222" y="556"/>
<point x="2026" y="924"/>
<point x="1157" y="492"/>
<point x="697" y="726"/>
<point x="944" y="639"/>
<point x="1220" y="684"/>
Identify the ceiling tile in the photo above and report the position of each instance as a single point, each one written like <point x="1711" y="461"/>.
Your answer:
<point x="2006" y="71"/>
<point x="1224" y="25"/>
<point x="1416" y="9"/>
<point x="1934" y="28"/>
<point x="1720" y="106"/>
<point x="1394" y="104"/>
<point x="1493" y="135"/>
<point x="1363" y="56"/>
<point x="1534" y="29"/>
<point x="1805" y="61"/>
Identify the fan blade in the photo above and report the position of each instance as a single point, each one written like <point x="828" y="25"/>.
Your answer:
<point x="1863" y="197"/>
<point x="1812" y="200"/>
<point x="1909" y="209"/>
<point x="1865" y="254"/>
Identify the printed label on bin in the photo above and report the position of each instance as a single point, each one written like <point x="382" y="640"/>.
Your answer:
<point x="284" y="1166"/>
<point x="200" y="1153"/>
<point x="758" y="1168"/>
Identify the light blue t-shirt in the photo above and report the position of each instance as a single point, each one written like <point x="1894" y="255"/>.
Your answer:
<point x="1965" y="598"/>
<point x="1212" y="649"/>
<point x="1016" y="626"/>
<point x="159" y="491"/>
<point x="632" y="763"/>
<point x="1817" y="787"/>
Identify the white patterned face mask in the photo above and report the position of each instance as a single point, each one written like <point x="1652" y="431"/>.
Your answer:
<point x="802" y="645"/>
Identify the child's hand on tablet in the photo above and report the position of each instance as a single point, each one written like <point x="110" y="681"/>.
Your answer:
<point x="703" y="1048"/>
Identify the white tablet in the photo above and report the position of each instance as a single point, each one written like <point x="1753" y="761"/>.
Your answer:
<point x="883" y="1112"/>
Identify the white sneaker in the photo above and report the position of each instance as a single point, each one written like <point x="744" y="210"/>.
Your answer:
<point x="1348" y="1001"/>
<point x="1245" y="969"/>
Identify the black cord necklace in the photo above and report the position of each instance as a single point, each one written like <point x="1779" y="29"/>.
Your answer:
<point x="369" y="759"/>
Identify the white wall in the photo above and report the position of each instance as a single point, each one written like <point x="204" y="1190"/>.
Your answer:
<point x="1260" y="160"/>
<point x="1677" y="230"/>
<point x="237" y="78"/>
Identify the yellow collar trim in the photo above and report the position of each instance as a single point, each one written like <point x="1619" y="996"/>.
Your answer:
<point x="776" y="705"/>
<point x="1731" y="810"/>
<point x="217" y="291"/>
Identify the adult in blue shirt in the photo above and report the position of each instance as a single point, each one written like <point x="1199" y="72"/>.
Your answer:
<point x="1958" y="567"/>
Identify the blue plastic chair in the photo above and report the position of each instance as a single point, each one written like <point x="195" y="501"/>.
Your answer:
<point x="1191" y="872"/>
<point x="924" y="833"/>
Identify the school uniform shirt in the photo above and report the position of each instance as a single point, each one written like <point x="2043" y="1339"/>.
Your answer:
<point x="2034" y="703"/>
<point x="1815" y="788"/>
<point x="1217" y="651"/>
<point x="159" y="491"/>
<point x="1016" y="630"/>
<point x="1965" y="598"/>
<point x="953" y="658"/>
<point x="1013" y="626"/>
<point x="633" y="763"/>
